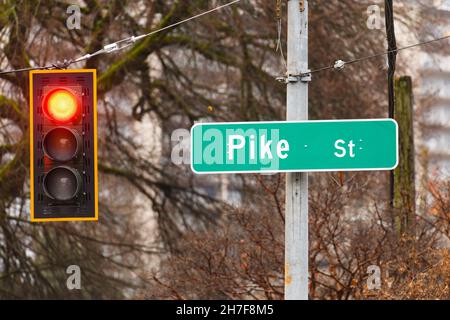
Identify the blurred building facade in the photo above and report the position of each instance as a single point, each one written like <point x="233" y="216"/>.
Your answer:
<point x="433" y="95"/>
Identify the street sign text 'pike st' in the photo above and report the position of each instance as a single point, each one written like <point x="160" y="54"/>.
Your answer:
<point x="334" y="145"/>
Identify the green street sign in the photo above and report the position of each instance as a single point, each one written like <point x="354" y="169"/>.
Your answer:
<point x="300" y="146"/>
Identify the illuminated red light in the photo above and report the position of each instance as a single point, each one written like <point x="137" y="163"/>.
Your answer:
<point x="61" y="106"/>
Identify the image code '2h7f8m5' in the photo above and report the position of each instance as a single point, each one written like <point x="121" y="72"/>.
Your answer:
<point x="63" y="145"/>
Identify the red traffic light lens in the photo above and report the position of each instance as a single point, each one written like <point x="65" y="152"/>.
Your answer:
<point x="61" y="105"/>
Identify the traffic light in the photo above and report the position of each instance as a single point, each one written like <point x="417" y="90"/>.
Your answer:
<point x="63" y="145"/>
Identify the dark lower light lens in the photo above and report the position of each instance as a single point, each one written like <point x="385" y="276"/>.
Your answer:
<point x="61" y="144"/>
<point x="62" y="183"/>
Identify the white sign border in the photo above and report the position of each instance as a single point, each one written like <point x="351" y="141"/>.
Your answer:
<point x="287" y="171"/>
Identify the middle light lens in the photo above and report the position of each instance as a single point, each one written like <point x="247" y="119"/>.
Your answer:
<point x="61" y="144"/>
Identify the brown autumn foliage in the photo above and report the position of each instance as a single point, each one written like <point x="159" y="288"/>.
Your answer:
<point x="242" y="257"/>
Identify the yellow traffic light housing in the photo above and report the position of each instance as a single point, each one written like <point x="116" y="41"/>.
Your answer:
<point x="63" y="145"/>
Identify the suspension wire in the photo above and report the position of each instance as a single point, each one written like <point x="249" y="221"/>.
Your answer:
<point x="279" y="32"/>
<point x="118" y="45"/>
<point x="339" y="64"/>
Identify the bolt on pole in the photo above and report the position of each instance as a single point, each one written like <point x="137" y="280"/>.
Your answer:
<point x="296" y="225"/>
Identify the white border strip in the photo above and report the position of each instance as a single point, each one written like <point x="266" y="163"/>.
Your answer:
<point x="282" y="171"/>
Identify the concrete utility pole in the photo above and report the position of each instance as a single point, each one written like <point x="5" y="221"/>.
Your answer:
<point x="296" y="229"/>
